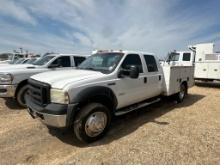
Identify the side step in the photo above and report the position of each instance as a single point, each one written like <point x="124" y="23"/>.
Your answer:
<point x="135" y="107"/>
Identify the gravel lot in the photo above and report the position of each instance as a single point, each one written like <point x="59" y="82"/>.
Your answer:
<point x="164" y="133"/>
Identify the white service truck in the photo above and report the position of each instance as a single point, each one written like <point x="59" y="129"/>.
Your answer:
<point x="107" y="83"/>
<point x="203" y="57"/>
<point x="14" y="78"/>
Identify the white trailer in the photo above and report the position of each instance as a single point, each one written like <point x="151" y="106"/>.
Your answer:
<point x="203" y="57"/>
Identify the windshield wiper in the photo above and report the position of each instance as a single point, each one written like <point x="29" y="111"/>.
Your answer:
<point x="89" y="68"/>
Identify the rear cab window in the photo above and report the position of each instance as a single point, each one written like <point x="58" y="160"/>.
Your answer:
<point x="186" y="56"/>
<point x="151" y="63"/>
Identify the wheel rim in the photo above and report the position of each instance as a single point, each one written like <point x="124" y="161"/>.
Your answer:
<point x="96" y="124"/>
<point x="182" y="92"/>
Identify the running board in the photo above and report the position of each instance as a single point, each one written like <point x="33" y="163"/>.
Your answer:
<point x="135" y="107"/>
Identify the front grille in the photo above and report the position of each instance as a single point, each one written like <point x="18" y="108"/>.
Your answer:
<point x="39" y="92"/>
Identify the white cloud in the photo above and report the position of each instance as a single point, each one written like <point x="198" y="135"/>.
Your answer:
<point x="13" y="9"/>
<point x="148" y="25"/>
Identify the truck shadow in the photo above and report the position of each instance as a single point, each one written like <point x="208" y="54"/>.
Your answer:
<point x="126" y="124"/>
<point x="12" y="104"/>
<point x="208" y="84"/>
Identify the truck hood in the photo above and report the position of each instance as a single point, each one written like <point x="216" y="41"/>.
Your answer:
<point x="60" y="79"/>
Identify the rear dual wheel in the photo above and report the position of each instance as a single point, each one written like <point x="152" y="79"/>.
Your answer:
<point x="179" y="97"/>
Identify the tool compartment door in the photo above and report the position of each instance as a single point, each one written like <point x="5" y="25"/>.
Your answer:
<point x="171" y="77"/>
<point x="213" y="71"/>
<point x="201" y="70"/>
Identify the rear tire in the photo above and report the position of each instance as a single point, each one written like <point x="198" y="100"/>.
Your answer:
<point x="179" y="97"/>
<point x="92" y="122"/>
<point x="21" y="96"/>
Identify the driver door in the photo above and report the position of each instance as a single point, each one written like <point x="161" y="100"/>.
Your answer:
<point x="130" y="91"/>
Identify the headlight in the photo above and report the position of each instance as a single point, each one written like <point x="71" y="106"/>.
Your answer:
<point x="59" y="96"/>
<point x="6" y="78"/>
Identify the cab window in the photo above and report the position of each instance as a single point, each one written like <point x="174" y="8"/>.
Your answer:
<point x="132" y="60"/>
<point x="78" y="60"/>
<point x="186" y="56"/>
<point x="64" y="61"/>
<point x="151" y="63"/>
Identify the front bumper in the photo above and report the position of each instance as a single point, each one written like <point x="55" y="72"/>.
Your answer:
<point x="7" y="90"/>
<point x="58" y="121"/>
<point x="55" y="115"/>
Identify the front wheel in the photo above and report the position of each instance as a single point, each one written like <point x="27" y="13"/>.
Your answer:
<point x="21" y="96"/>
<point x="179" y="97"/>
<point x="92" y="122"/>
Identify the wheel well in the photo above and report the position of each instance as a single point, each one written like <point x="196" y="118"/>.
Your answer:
<point x="186" y="85"/>
<point x="21" y="84"/>
<point x="102" y="100"/>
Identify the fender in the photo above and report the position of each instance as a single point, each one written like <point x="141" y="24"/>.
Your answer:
<point x="95" y="92"/>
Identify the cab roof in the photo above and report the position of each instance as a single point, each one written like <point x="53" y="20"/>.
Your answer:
<point x="122" y="51"/>
<point x="61" y="54"/>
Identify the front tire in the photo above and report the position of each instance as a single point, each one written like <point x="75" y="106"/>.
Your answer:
<point x="21" y="96"/>
<point x="92" y="122"/>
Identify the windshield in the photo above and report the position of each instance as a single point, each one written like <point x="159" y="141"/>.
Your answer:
<point x="19" y="61"/>
<point x="173" y="56"/>
<point x="6" y="56"/>
<point x="44" y="60"/>
<point x="30" y="61"/>
<point x="103" y="62"/>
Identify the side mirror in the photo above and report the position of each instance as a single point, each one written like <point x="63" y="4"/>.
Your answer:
<point x="134" y="72"/>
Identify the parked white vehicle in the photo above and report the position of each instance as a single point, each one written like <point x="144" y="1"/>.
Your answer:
<point x="13" y="79"/>
<point x="203" y="57"/>
<point x="10" y="58"/>
<point x="105" y="84"/>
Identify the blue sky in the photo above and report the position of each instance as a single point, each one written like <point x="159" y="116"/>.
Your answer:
<point x="69" y="26"/>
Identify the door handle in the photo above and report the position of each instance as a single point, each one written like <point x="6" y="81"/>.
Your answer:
<point x="145" y="80"/>
<point x="159" y="77"/>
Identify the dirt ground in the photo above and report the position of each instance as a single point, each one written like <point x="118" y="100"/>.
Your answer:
<point x="163" y="133"/>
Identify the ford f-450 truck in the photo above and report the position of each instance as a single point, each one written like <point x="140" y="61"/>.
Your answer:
<point x="13" y="79"/>
<point x="107" y="83"/>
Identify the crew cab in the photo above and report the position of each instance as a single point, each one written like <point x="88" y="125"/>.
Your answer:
<point x="107" y="83"/>
<point x="14" y="78"/>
